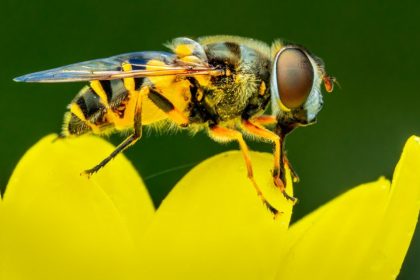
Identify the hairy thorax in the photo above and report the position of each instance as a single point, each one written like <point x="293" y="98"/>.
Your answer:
<point x="242" y="92"/>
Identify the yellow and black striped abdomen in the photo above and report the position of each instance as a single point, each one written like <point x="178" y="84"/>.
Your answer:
<point x="100" y="108"/>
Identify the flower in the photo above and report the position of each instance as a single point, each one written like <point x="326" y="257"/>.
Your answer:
<point x="55" y="224"/>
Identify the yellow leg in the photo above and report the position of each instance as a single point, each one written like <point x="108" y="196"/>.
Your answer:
<point x="226" y="134"/>
<point x="266" y="120"/>
<point x="262" y="132"/>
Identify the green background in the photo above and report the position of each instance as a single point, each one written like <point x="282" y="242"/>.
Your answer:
<point x="370" y="46"/>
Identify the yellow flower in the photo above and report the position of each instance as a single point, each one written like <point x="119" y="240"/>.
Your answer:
<point x="55" y="224"/>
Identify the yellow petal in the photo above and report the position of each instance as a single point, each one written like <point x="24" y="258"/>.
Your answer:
<point x="363" y="234"/>
<point x="213" y="226"/>
<point x="57" y="224"/>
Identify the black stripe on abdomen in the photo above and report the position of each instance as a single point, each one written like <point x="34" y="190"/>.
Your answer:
<point x="106" y="86"/>
<point x="89" y="103"/>
<point x="76" y="126"/>
<point x="138" y="82"/>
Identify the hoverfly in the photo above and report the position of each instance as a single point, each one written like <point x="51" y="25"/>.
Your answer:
<point x="222" y="84"/>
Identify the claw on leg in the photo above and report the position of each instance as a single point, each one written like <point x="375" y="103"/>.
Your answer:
<point x="89" y="172"/>
<point x="267" y="204"/>
<point x="280" y="185"/>
<point x="295" y="176"/>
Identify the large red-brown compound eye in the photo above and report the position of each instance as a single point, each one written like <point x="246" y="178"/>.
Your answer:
<point x="295" y="76"/>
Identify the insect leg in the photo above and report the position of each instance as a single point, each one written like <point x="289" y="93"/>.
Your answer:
<point x="129" y="141"/>
<point x="124" y="145"/>
<point x="266" y="120"/>
<point x="286" y="161"/>
<point x="262" y="132"/>
<point x="223" y="134"/>
<point x="166" y="106"/>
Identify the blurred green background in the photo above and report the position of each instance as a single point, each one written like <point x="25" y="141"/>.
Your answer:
<point x="370" y="46"/>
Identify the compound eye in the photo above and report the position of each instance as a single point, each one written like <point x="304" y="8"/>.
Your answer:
<point x="295" y="76"/>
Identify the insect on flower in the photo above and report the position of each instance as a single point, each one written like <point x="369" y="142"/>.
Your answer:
<point x="222" y="84"/>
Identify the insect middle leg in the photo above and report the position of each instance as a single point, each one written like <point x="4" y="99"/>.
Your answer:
<point x="225" y="134"/>
<point x="262" y="132"/>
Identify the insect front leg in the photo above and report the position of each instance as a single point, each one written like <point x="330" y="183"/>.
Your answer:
<point x="223" y="134"/>
<point x="262" y="132"/>
<point x="269" y="120"/>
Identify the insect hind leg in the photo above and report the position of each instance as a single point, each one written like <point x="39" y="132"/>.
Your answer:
<point x="129" y="141"/>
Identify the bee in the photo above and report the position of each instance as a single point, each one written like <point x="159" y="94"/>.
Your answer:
<point x="220" y="84"/>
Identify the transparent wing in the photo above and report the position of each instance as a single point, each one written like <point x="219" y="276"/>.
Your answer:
<point x="111" y="68"/>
